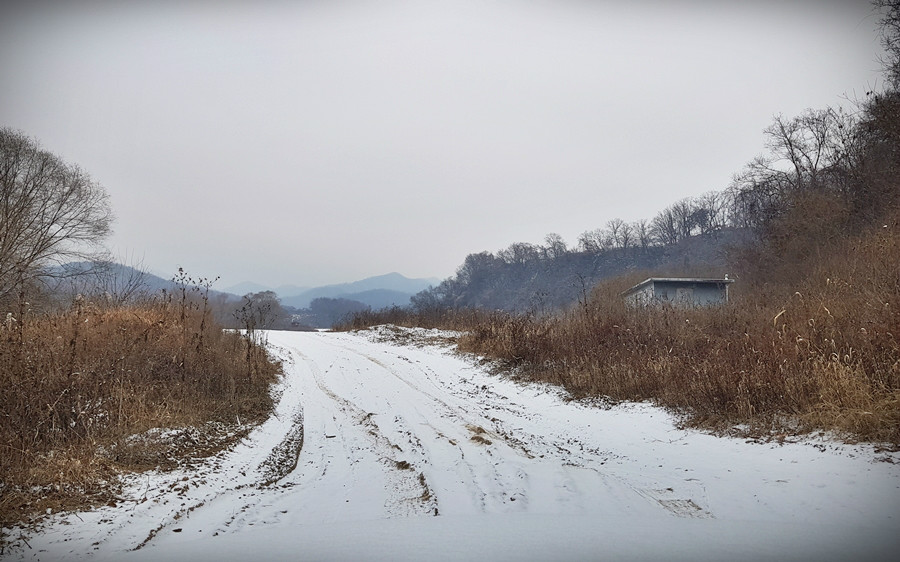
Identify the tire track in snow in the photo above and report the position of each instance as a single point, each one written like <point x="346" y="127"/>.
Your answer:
<point x="484" y="473"/>
<point x="258" y="461"/>
<point x="568" y="450"/>
<point x="409" y="493"/>
<point x="492" y="465"/>
<point x="498" y="482"/>
<point x="257" y="502"/>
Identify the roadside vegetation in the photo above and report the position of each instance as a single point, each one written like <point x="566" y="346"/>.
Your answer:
<point x="90" y="389"/>
<point x="103" y="377"/>
<point x="810" y="339"/>
<point x="823" y="353"/>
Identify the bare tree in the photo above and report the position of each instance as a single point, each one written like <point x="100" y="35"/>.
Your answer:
<point x="267" y="307"/>
<point x="478" y="268"/>
<point x="555" y="246"/>
<point x="626" y="237"/>
<point x="50" y="212"/>
<point x="105" y="281"/>
<point x="819" y="150"/>
<point x="890" y="39"/>
<point x="754" y="199"/>
<point x="614" y="227"/>
<point x="710" y="211"/>
<point x="683" y="211"/>
<point x="814" y="150"/>
<point x="258" y="311"/>
<point x="808" y="144"/>
<point x="664" y="228"/>
<point x="591" y="241"/>
<point x="642" y="233"/>
<point x="519" y="253"/>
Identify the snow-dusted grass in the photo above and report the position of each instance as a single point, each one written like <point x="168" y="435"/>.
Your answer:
<point x="413" y="452"/>
<point x="86" y="391"/>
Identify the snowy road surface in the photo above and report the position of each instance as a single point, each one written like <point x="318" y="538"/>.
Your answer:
<point x="411" y="452"/>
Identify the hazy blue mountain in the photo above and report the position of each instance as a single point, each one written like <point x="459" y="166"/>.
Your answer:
<point x="251" y="287"/>
<point x="390" y="281"/>
<point x="116" y="280"/>
<point x="107" y="276"/>
<point x="246" y="287"/>
<point x="290" y="289"/>
<point x="380" y="298"/>
<point x="377" y="292"/>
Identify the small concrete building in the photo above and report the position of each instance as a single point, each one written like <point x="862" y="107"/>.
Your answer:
<point x="682" y="291"/>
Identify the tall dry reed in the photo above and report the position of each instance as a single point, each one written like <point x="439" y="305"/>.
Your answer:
<point x="78" y="383"/>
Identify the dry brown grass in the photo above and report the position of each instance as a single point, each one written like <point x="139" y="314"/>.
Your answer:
<point x="80" y="384"/>
<point x="820" y="354"/>
<point x="397" y="316"/>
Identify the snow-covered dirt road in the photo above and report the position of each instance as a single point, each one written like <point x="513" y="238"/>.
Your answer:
<point x="412" y="452"/>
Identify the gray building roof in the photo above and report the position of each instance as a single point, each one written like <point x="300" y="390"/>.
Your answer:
<point x="699" y="280"/>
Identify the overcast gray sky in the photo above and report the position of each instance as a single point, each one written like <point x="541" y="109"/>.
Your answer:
<point x="327" y="141"/>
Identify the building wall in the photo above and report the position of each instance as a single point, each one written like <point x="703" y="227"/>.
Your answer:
<point x="643" y="297"/>
<point x="686" y="293"/>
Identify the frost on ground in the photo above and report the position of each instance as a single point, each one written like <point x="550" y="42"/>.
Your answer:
<point x="387" y="445"/>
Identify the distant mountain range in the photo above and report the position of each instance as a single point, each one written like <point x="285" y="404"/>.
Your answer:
<point x="378" y="292"/>
<point x="105" y="276"/>
<point x="251" y="287"/>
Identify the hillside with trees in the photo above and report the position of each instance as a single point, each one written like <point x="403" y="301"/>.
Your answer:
<point x="824" y="174"/>
<point x="545" y="278"/>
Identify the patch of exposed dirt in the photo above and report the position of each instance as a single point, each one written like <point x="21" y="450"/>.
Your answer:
<point x="91" y="477"/>
<point x="168" y="449"/>
<point x="417" y="337"/>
